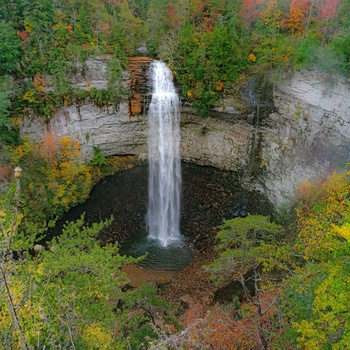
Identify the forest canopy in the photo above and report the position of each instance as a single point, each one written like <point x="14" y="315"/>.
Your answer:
<point x="212" y="46"/>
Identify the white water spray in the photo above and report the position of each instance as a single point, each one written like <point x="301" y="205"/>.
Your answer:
<point x="163" y="216"/>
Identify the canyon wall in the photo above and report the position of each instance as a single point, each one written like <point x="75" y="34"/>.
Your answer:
<point x="120" y="130"/>
<point x="309" y="134"/>
<point x="306" y="135"/>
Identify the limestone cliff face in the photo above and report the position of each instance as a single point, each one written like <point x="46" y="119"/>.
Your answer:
<point x="116" y="130"/>
<point x="307" y="135"/>
<point x="113" y="131"/>
<point x="222" y="141"/>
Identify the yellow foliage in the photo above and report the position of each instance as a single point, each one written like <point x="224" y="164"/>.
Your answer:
<point x="69" y="148"/>
<point x="97" y="338"/>
<point x="323" y="206"/>
<point x="343" y="232"/>
<point x="29" y="96"/>
<point x="251" y="58"/>
<point x="22" y="150"/>
<point x="97" y="295"/>
<point x="66" y="145"/>
<point x="310" y="339"/>
<point x="62" y="179"/>
<point x="190" y="94"/>
<point x="15" y="121"/>
<point x="272" y="14"/>
<point x="29" y="26"/>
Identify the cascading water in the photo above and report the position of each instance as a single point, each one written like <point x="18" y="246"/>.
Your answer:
<point x="163" y="216"/>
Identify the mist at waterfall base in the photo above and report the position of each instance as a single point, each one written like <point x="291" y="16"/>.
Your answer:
<point x="173" y="257"/>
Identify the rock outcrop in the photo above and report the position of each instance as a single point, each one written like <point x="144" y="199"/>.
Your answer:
<point x="93" y="73"/>
<point x="138" y="68"/>
<point x="307" y="135"/>
<point x="222" y="142"/>
<point x="116" y="130"/>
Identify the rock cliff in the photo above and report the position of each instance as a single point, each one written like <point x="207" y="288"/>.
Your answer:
<point x="116" y="130"/>
<point x="306" y="136"/>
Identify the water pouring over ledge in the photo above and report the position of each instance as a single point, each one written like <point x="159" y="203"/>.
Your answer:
<point x="164" y="182"/>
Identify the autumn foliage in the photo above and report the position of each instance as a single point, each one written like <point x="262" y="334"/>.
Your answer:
<point x="250" y="12"/>
<point x="56" y="180"/>
<point x="328" y="9"/>
<point x="228" y="327"/>
<point x="317" y="294"/>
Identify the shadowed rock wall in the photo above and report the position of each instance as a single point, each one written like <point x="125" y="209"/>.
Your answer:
<point x="308" y="136"/>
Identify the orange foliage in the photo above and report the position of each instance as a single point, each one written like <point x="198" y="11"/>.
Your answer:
<point x="219" y="85"/>
<point x="298" y="11"/>
<point x="49" y="147"/>
<point x="39" y="83"/>
<point x="217" y="328"/>
<point x="3" y="174"/>
<point x="328" y="9"/>
<point x="194" y="313"/>
<point x="302" y="5"/>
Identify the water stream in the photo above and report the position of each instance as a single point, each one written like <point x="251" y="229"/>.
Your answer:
<point x="164" y="181"/>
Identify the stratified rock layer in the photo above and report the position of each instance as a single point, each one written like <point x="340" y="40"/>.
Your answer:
<point x="307" y="135"/>
<point x="120" y="130"/>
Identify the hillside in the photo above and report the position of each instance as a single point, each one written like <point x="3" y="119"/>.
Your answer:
<point x="264" y="89"/>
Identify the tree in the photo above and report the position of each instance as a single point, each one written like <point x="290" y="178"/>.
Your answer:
<point x="131" y="29"/>
<point x="10" y="52"/>
<point x="157" y="24"/>
<point x="70" y="293"/>
<point x="247" y="248"/>
<point x="249" y="13"/>
<point x="328" y="9"/>
<point x="5" y="102"/>
<point x="316" y="295"/>
<point x="9" y="222"/>
<point x="52" y="184"/>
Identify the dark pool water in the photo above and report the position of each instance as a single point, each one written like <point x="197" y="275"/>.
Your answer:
<point x="174" y="257"/>
<point x="208" y="195"/>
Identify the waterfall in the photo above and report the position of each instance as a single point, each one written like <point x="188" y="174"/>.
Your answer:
<point x="163" y="216"/>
